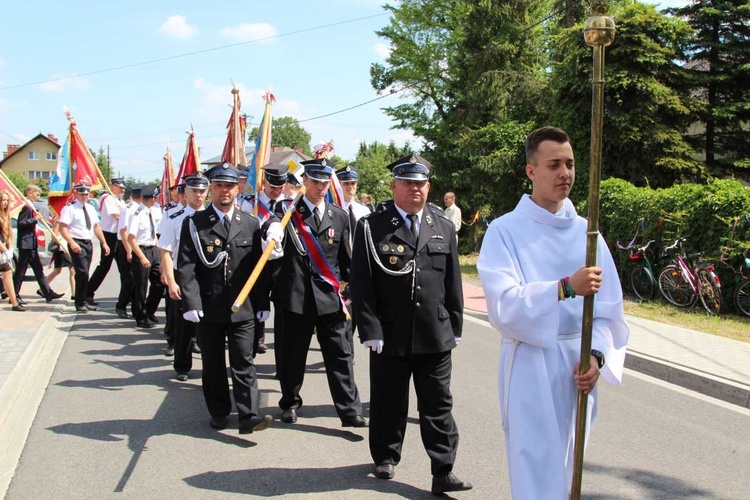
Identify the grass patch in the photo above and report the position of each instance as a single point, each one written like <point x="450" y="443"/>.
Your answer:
<point x="468" y="265"/>
<point x="725" y="325"/>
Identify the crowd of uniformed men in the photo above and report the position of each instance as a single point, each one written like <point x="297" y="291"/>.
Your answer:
<point x="392" y="274"/>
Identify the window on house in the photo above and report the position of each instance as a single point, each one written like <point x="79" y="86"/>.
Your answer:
<point x="52" y="156"/>
<point x="39" y="174"/>
<point x="33" y="155"/>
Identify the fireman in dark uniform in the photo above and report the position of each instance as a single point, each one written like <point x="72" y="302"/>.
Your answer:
<point x="408" y="304"/>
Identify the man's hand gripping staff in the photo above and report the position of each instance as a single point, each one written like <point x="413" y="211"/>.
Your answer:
<point x="274" y="237"/>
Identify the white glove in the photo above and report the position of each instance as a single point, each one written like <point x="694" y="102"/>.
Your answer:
<point x="262" y="315"/>
<point x="193" y="316"/>
<point x="375" y="345"/>
<point x="457" y="339"/>
<point x="276" y="233"/>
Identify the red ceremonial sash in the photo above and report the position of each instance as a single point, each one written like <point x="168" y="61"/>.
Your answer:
<point x="317" y="257"/>
<point x="264" y="213"/>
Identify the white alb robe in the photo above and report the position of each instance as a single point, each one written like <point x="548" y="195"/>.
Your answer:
<point x="524" y="255"/>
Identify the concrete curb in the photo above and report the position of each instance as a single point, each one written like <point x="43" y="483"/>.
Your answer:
<point x="683" y="376"/>
<point x="24" y="389"/>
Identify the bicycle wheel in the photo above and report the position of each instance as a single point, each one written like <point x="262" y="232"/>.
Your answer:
<point x="674" y="288"/>
<point x="742" y="298"/>
<point x="709" y="292"/>
<point x="642" y="282"/>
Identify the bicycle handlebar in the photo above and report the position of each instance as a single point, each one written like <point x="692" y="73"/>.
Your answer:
<point x="678" y="243"/>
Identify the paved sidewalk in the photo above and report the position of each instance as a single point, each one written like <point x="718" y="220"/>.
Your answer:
<point x="709" y="364"/>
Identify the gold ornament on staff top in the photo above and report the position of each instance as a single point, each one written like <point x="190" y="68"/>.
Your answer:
<point x="599" y="32"/>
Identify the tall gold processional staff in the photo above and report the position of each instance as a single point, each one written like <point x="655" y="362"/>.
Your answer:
<point x="599" y="32"/>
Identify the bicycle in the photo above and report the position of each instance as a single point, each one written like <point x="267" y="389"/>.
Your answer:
<point x="683" y="284"/>
<point x="742" y="292"/>
<point x="642" y="276"/>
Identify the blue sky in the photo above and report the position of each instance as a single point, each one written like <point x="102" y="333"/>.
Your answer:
<point x="136" y="110"/>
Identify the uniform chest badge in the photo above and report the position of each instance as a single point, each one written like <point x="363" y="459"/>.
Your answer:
<point x="428" y="219"/>
<point x="210" y="248"/>
<point x="400" y="249"/>
<point x="395" y="221"/>
<point x="330" y="235"/>
<point x="330" y="213"/>
<point x="393" y="259"/>
<point x="217" y="242"/>
<point x="385" y="248"/>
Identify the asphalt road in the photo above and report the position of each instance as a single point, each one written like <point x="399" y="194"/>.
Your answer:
<point x="115" y="424"/>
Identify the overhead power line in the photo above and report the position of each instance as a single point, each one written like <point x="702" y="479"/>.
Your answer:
<point x="197" y="52"/>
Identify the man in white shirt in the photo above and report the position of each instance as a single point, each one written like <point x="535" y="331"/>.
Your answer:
<point x="142" y="237"/>
<point x="533" y="274"/>
<point x="124" y="253"/>
<point x="452" y="211"/>
<point x="180" y="340"/>
<point x="110" y="207"/>
<point x="79" y="224"/>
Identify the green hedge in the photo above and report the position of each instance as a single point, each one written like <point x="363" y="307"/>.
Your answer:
<point x="701" y="213"/>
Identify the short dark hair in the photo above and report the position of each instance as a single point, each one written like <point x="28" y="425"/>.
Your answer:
<point x="538" y="136"/>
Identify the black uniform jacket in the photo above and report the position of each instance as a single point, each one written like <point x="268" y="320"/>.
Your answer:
<point x="297" y="280"/>
<point x="26" y="229"/>
<point x="214" y="290"/>
<point x="416" y="313"/>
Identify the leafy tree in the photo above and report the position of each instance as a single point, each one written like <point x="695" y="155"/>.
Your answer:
<point x="720" y="67"/>
<point x="474" y="75"/>
<point x="102" y="161"/>
<point x="647" y="103"/>
<point x="374" y="178"/>
<point x="286" y="131"/>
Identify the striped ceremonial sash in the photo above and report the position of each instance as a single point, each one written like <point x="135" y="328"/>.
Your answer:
<point x="317" y="257"/>
<point x="264" y="213"/>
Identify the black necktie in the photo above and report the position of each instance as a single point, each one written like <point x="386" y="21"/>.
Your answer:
<point x="316" y="215"/>
<point x="271" y="205"/>
<point x="226" y="223"/>
<point x="153" y="229"/>
<point x="413" y="219"/>
<point x="86" y="216"/>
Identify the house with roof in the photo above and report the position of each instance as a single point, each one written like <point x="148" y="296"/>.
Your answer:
<point x="36" y="159"/>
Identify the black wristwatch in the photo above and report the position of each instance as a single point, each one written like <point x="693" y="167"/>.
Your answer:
<point x="599" y="357"/>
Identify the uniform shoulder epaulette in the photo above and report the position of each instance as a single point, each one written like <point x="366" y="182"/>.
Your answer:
<point x="380" y="209"/>
<point x="138" y="211"/>
<point x="170" y="205"/>
<point x="438" y="211"/>
<point x="177" y="214"/>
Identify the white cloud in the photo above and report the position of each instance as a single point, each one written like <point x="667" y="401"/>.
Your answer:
<point x="61" y="81"/>
<point x="247" y="32"/>
<point x="382" y="50"/>
<point x="177" y="27"/>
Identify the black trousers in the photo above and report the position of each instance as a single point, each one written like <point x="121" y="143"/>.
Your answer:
<point x="81" y="263"/>
<point x="337" y="357"/>
<point x="239" y="339"/>
<point x="146" y="305"/>
<point x="126" y="277"/>
<point x="105" y="263"/>
<point x="389" y="407"/>
<point x="169" y="323"/>
<point x="26" y="257"/>
<point x="182" y="334"/>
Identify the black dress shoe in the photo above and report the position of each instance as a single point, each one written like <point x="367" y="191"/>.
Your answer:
<point x="170" y="351"/>
<point x="90" y="301"/>
<point x="18" y="308"/>
<point x="3" y="295"/>
<point x="262" y="349"/>
<point x="153" y="319"/>
<point x="52" y="296"/>
<point x="255" y="424"/>
<point x="122" y="313"/>
<point x="195" y="348"/>
<point x="289" y="416"/>
<point x="143" y="324"/>
<point x="20" y="300"/>
<point x="449" y="482"/>
<point x="218" y="422"/>
<point x="82" y="309"/>
<point x="39" y="292"/>
<point x="355" y="421"/>
<point x="90" y="307"/>
<point x="385" y="471"/>
<point x="182" y="377"/>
